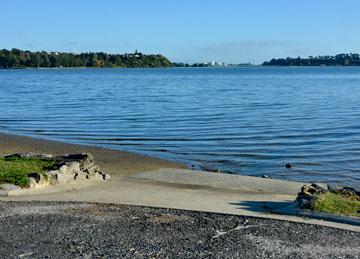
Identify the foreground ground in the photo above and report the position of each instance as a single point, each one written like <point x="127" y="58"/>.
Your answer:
<point x="70" y="230"/>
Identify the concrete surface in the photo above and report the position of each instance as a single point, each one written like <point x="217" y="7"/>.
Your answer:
<point x="242" y="183"/>
<point x="161" y="189"/>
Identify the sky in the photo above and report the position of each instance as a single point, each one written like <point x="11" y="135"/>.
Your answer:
<point x="231" y="31"/>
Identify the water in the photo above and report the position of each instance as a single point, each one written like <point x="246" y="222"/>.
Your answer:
<point x="248" y="121"/>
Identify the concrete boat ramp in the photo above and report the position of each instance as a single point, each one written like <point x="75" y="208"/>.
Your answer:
<point x="189" y="190"/>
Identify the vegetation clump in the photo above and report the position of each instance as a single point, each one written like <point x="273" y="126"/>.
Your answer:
<point x="15" y="170"/>
<point x="338" y="204"/>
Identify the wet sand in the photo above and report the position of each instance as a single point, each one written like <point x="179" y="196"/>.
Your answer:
<point x="114" y="162"/>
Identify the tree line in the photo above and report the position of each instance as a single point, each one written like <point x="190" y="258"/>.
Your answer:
<point x="16" y="58"/>
<point x="338" y="60"/>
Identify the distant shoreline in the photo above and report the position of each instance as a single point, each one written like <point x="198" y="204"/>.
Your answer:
<point x="327" y="60"/>
<point x="152" y="68"/>
<point x="16" y="58"/>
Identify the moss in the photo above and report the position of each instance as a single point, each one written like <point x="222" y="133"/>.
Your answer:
<point x="338" y="204"/>
<point x="15" y="170"/>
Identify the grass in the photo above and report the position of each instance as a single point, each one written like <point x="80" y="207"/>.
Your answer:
<point x="338" y="204"/>
<point x="16" y="170"/>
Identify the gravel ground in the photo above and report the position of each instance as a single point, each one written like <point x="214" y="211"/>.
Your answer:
<point x="78" y="230"/>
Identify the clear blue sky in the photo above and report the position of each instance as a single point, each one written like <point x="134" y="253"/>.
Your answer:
<point x="184" y="30"/>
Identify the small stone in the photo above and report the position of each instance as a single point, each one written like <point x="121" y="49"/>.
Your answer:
<point x="288" y="165"/>
<point x="265" y="176"/>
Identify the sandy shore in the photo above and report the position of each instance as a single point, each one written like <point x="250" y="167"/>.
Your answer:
<point x="111" y="161"/>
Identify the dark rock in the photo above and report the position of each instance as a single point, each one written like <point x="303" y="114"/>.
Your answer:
<point x="36" y="176"/>
<point x="309" y="193"/>
<point x="288" y="165"/>
<point x="346" y="191"/>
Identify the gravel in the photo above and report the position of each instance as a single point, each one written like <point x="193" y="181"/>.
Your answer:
<point x="85" y="230"/>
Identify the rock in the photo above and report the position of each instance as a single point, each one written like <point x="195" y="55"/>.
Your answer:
<point x="324" y="186"/>
<point x="37" y="180"/>
<point x="81" y="176"/>
<point x="66" y="173"/>
<point x="94" y="169"/>
<point x="35" y="176"/>
<point x="5" y="188"/>
<point x="309" y="193"/>
<point x="9" y="187"/>
<point x="289" y="165"/>
<point x="32" y="183"/>
<point x="304" y="203"/>
<point x="86" y="160"/>
<point x="265" y="176"/>
<point x="70" y="168"/>
<point x="314" y="189"/>
<point x="346" y="191"/>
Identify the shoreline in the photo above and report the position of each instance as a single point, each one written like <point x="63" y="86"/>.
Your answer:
<point x="115" y="162"/>
<point x="157" y="183"/>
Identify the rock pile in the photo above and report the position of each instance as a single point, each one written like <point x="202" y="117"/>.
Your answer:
<point x="310" y="193"/>
<point x="66" y="169"/>
<point x="76" y="167"/>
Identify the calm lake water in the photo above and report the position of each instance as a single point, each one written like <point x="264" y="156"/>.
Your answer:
<point x="248" y="121"/>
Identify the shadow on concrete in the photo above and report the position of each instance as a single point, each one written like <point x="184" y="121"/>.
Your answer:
<point x="291" y="208"/>
<point x="285" y="207"/>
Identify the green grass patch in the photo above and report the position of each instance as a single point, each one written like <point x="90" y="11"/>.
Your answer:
<point x="338" y="204"/>
<point x="15" y="170"/>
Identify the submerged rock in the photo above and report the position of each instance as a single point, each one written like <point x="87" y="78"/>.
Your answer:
<point x="289" y="165"/>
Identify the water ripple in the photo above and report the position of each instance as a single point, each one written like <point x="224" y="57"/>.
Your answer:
<point x="246" y="120"/>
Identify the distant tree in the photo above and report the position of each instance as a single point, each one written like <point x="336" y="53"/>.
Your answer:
<point x="17" y="59"/>
<point x="338" y="60"/>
